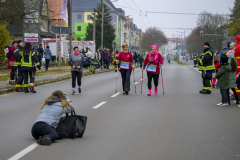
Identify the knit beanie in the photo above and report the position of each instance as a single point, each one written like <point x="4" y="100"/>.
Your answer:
<point x="207" y="44"/>
<point x="224" y="60"/>
<point x="19" y="41"/>
<point x="230" y="54"/>
<point x="228" y="45"/>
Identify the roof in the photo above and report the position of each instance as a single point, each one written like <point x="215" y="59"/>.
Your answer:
<point x="84" y="5"/>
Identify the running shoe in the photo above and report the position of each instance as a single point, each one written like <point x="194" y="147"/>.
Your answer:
<point x="220" y="104"/>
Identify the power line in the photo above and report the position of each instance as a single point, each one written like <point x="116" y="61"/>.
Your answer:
<point x="136" y="12"/>
<point x="197" y="14"/>
<point x="141" y="12"/>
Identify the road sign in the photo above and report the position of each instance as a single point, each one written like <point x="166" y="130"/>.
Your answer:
<point x="31" y="35"/>
<point x="64" y="30"/>
<point x="58" y="47"/>
<point x="30" y="39"/>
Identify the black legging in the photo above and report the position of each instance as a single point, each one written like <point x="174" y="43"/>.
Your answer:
<point x="42" y="129"/>
<point x="47" y="63"/>
<point x="126" y="74"/>
<point x="235" y="93"/>
<point x="12" y="73"/>
<point x="78" y="75"/>
<point x="155" y="78"/>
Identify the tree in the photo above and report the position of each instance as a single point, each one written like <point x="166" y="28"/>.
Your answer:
<point x="4" y="40"/>
<point x="108" y="29"/>
<point x="152" y="36"/>
<point x="234" y="22"/>
<point x="209" y="24"/>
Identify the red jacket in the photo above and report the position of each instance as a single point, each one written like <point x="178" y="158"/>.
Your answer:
<point x="11" y="51"/>
<point x="217" y="64"/>
<point x="237" y="54"/>
<point x="153" y="62"/>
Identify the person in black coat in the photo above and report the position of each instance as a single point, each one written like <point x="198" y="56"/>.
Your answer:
<point x="141" y="61"/>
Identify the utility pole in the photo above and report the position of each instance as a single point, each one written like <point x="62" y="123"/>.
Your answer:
<point x="94" y="30"/>
<point x="102" y="23"/>
<point x="70" y="28"/>
<point x="140" y="41"/>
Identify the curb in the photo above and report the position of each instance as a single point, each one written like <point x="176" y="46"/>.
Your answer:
<point x="43" y="82"/>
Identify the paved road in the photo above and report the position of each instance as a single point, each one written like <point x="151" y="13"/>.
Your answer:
<point x="181" y="125"/>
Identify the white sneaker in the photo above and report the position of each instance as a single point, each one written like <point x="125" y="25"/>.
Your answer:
<point x="226" y="104"/>
<point x="220" y="104"/>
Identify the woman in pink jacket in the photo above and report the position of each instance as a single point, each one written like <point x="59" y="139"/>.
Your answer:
<point x="154" y="62"/>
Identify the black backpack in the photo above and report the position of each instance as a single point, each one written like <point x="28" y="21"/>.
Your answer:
<point x="8" y="55"/>
<point x="73" y="125"/>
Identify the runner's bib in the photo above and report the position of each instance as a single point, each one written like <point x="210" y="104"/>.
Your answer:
<point x="152" y="68"/>
<point x="124" y="65"/>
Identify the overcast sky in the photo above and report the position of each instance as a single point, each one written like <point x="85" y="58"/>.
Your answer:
<point x="171" y="20"/>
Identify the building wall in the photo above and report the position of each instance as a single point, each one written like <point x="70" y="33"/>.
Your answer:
<point x="83" y="31"/>
<point x="85" y="17"/>
<point x="76" y="20"/>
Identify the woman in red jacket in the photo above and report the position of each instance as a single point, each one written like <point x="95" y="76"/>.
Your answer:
<point x="126" y="67"/>
<point x="154" y="62"/>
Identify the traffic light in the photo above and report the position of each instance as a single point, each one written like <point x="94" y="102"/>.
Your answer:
<point x="201" y="33"/>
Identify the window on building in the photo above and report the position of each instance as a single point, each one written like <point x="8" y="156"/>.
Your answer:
<point x="78" y="39"/>
<point x="79" y="16"/>
<point x="88" y="17"/>
<point x="79" y="28"/>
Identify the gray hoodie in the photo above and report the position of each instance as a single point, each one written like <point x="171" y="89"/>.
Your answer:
<point x="52" y="112"/>
<point x="76" y="60"/>
<point x="47" y="54"/>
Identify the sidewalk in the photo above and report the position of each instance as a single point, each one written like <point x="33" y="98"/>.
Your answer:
<point x="50" y="78"/>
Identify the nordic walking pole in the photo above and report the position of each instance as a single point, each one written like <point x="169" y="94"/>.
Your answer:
<point x="142" y="82"/>
<point x="134" y="82"/>
<point x="116" y="79"/>
<point x="162" y="81"/>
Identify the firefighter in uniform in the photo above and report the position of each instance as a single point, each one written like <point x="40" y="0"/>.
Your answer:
<point x="237" y="57"/>
<point x="195" y="60"/>
<point x="115" y="56"/>
<point x="28" y="57"/>
<point x="17" y="67"/>
<point x="207" y="67"/>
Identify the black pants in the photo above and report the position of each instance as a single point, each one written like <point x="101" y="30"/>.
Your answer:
<point x="235" y="93"/>
<point x="207" y="80"/>
<point x="25" y="73"/>
<point x="47" y="63"/>
<point x="155" y="78"/>
<point x="42" y="129"/>
<point x="116" y="66"/>
<point x="18" y="77"/>
<point x="106" y="64"/>
<point x="140" y="64"/>
<point x="78" y="75"/>
<point x="224" y="95"/>
<point x="12" y="73"/>
<point x="126" y="74"/>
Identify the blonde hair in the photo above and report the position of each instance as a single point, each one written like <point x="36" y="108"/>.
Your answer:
<point x="58" y="94"/>
<point x="124" y="45"/>
<point x="232" y="44"/>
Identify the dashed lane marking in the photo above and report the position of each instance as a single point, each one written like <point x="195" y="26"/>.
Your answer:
<point x="24" y="152"/>
<point x="99" y="105"/>
<point x="115" y="95"/>
<point x="136" y="83"/>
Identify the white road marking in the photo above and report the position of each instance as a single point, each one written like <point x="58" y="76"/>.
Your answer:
<point x="115" y="95"/>
<point x="140" y="79"/>
<point x="99" y="105"/>
<point x="24" y="152"/>
<point x="136" y="83"/>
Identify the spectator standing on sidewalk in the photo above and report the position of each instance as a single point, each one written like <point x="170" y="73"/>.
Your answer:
<point x="217" y="67"/>
<point x="76" y="61"/>
<point x="233" y="64"/>
<point x="12" y="59"/>
<point x="40" y="54"/>
<point x="223" y="80"/>
<point x="105" y="58"/>
<point x="47" y="56"/>
<point x="98" y="56"/>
